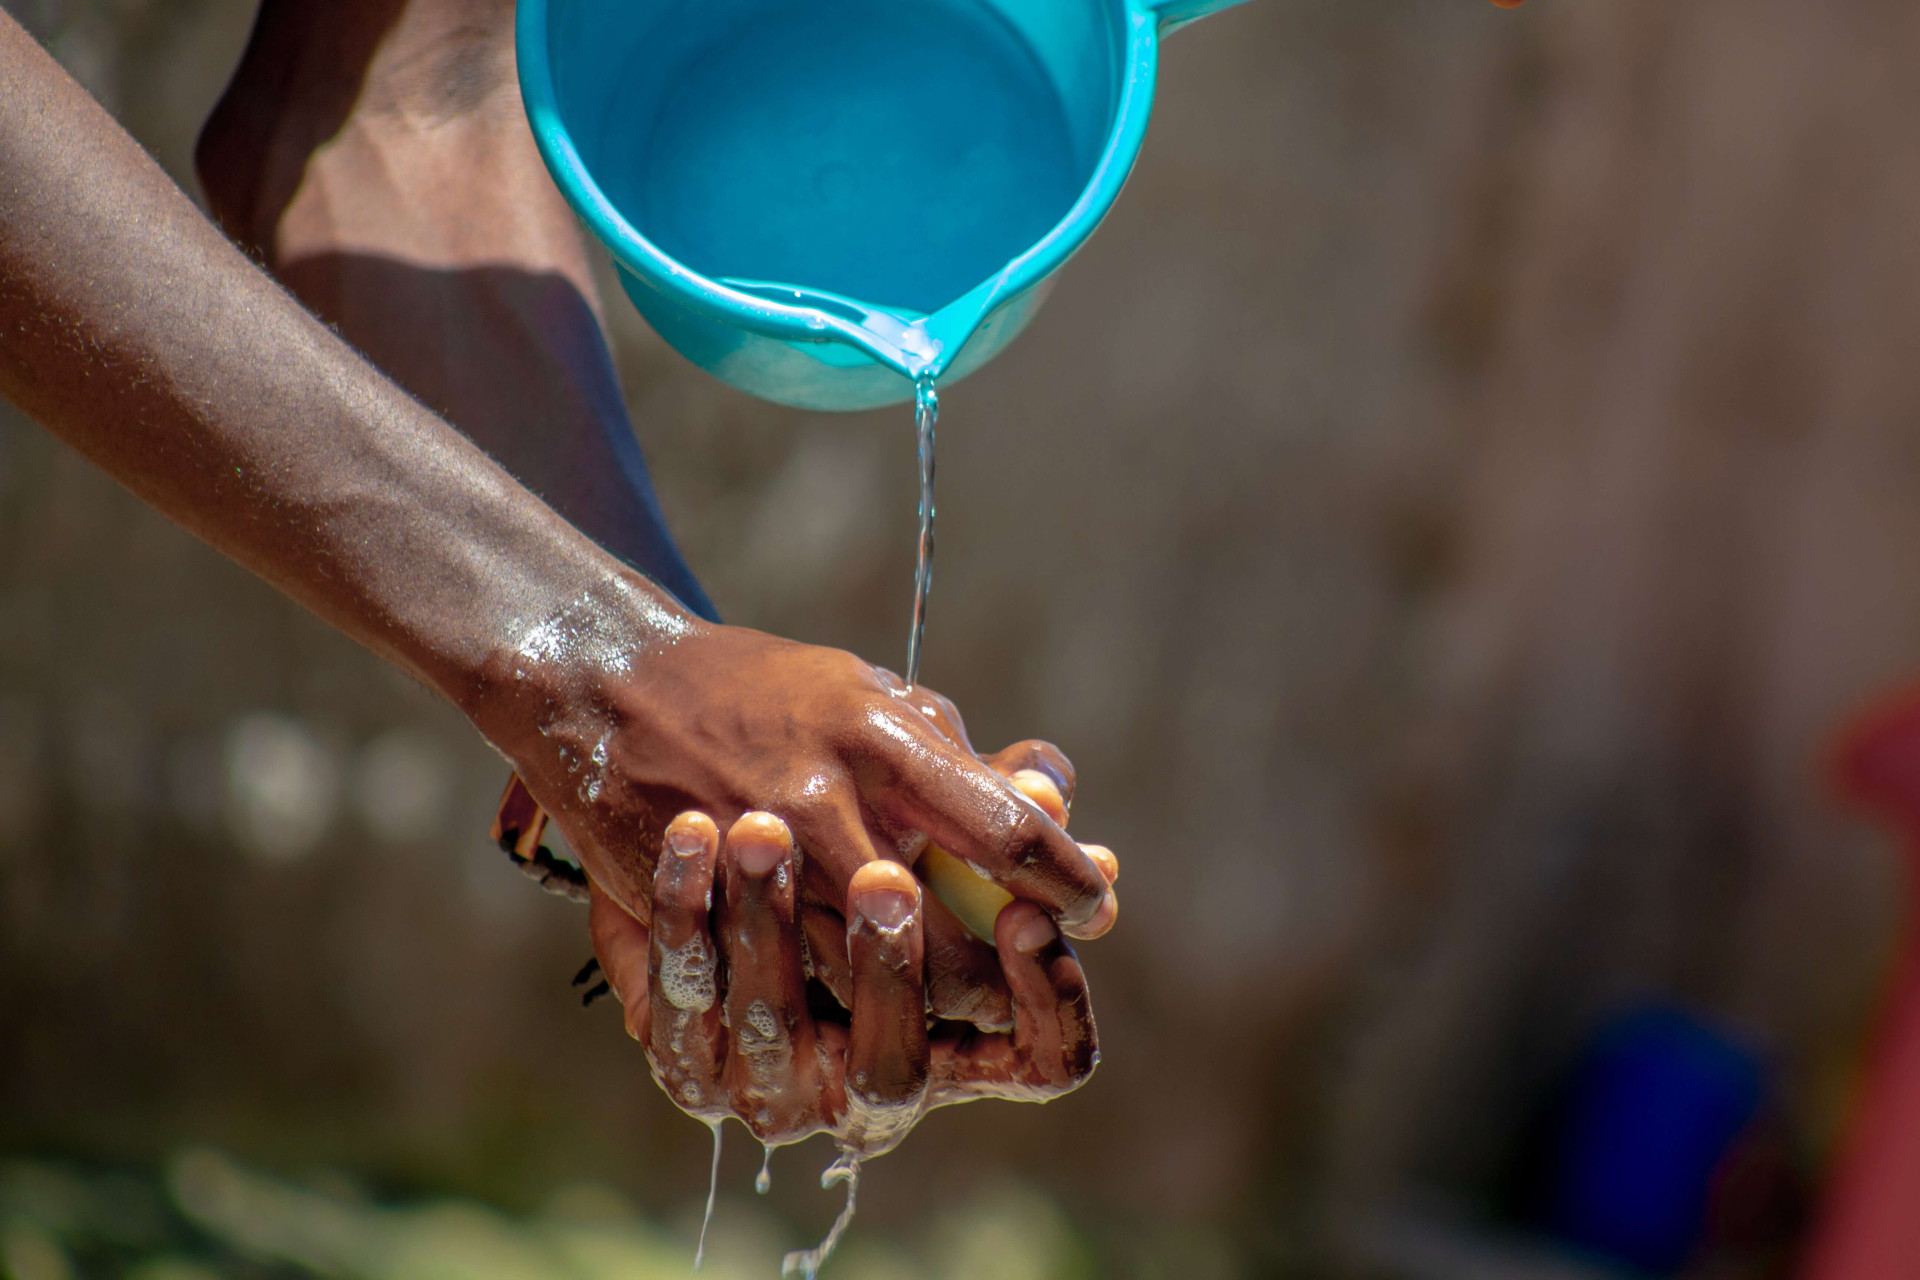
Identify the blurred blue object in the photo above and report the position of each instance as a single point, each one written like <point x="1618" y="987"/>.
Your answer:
<point x="1656" y="1105"/>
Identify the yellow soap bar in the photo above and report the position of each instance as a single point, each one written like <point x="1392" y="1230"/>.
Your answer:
<point x="972" y="897"/>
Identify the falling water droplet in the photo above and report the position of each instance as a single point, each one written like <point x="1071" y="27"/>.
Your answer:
<point x="763" y="1181"/>
<point x="806" y="1263"/>
<point x="713" y="1188"/>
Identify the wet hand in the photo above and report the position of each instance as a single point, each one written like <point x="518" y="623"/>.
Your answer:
<point x="717" y="991"/>
<point x="616" y="730"/>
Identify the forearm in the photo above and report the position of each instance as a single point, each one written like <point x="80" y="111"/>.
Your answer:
<point x="133" y="330"/>
<point x="422" y="226"/>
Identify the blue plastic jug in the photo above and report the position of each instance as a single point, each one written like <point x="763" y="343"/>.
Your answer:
<point x="821" y="201"/>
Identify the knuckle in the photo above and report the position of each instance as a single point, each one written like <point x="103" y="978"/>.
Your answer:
<point x="850" y="670"/>
<point x="876" y="724"/>
<point x="1025" y="839"/>
<point x="949" y="719"/>
<point x="813" y="810"/>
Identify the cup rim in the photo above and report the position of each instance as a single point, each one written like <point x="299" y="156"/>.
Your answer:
<point x="941" y="334"/>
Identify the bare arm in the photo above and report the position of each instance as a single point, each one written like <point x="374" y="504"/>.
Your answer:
<point x="132" y="329"/>
<point x="375" y="158"/>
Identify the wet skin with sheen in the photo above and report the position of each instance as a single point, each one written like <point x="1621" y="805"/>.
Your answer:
<point x="160" y="352"/>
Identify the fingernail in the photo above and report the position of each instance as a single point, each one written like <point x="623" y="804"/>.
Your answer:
<point x="1043" y="791"/>
<point x="887" y="908"/>
<point x="758" y="857"/>
<point x="884" y="892"/>
<point x="1033" y="935"/>
<point x="1101" y="921"/>
<point x="758" y="841"/>
<point x="1109" y="913"/>
<point x="686" y="841"/>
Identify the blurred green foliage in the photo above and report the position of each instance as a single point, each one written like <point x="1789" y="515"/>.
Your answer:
<point x="206" y="1216"/>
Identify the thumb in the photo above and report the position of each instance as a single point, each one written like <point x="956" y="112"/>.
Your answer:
<point x="621" y="944"/>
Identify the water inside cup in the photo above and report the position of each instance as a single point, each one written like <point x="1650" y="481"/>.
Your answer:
<point x="898" y="153"/>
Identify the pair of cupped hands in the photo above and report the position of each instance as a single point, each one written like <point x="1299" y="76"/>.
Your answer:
<point x="754" y="905"/>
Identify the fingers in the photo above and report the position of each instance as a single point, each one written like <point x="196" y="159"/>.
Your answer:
<point x="937" y="708"/>
<point x="1052" y="1013"/>
<point x="1043" y="791"/>
<point x="1042" y="773"/>
<point x="837" y="840"/>
<point x="1041" y="788"/>
<point x="825" y="932"/>
<point x="1103" y="858"/>
<point x="964" y="982"/>
<point x="977" y="901"/>
<point x="1109" y="913"/>
<point x="1053" y="1047"/>
<point x="1042" y="757"/>
<point x="685" y="1039"/>
<point x="773" y="1072"/>
<point x="620" y="945"/>
<point x="886" y="1062"/>
<point x="975" y="815"/>
<point x="978" y="904"/>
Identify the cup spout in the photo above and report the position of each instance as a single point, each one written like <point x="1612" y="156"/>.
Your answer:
<point x="912" y="344"/>
<point x="900" y="340"/>
<point x="1174" y="14"/>
<point x="949" y="329"/>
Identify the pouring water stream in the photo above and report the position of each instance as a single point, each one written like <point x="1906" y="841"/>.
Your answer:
<point x="926" y="412"/>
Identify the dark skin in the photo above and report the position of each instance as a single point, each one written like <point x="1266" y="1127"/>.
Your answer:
<point x="134" y="330"/>
<point x="374" y="155"/>
<point x="716" y="992"/>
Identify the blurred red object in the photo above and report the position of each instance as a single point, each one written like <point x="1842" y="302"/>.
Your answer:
<point x="1869" y="1226"/>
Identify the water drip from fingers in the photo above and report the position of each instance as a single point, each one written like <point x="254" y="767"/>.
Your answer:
<point x="763" y="1181"/>
<point x="713" y="1190"/>
<point x="806" y="1263"/>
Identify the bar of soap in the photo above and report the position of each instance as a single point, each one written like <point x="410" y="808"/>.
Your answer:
<point x="974" y="898"/>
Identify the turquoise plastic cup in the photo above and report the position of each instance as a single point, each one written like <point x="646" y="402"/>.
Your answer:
<point x="824" y="201"/>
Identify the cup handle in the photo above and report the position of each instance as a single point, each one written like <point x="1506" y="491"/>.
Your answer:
<point x="1174" y="14"/>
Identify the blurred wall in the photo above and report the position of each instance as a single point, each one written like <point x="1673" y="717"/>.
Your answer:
<point x="1677" y="314"/>
<point x="1443" y="513"/>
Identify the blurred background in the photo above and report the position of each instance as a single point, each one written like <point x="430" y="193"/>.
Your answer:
<point x="1447" y="514"/>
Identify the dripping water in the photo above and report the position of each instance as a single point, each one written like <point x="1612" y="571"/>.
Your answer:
<point x="926" y="412"/>
<point x="713" y="1189"/>
<point x="806" y="1263"/>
